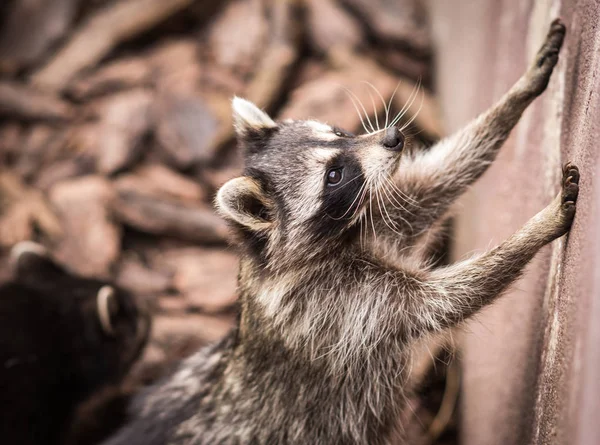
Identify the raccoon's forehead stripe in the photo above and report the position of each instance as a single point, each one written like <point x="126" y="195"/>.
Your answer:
<point x="322" y="156"/>
<point x="319" y="126"/>
<point x="322" y="131"/>
<point x="306" y="200"/>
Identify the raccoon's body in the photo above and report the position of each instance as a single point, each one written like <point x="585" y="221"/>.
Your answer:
<point x="333" y="291"/>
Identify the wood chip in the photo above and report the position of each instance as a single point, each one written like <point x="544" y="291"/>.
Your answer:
<point x="175" y="66"/>
<point x="100" y="34"/>
<point x="274" y="68"/>
<point x="139" y="279"/>
<point x="238" y="35"/>
<point x="206" y="277"/>
<point x="151" y="214"/>
<point x="403" y="64"/>
<point x="170" y="331"/>
<point x="23" y="210"/>
<point x="329" y="26"/>
<point x="91" y="242"/>
<point x="279" y="57"/>
<point x="186" y="130"/>
<point x="11" y="137"/>
<point x="125" y="119"/>
<point x="78" y="165"/>
<point x="159" y="180"/>
<point x="41" y="147"/>
<point x="172" y="305"/>
<point x="113" y="77"/>
<point x="30" y="28"/>
<point x="20" y="101"/>
<point x="402" y="21"/>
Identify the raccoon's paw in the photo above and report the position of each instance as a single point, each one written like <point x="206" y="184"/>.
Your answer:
<point x="547" y="57"/>
<point x="562" y="209"/>
<point x="569" y="192"/>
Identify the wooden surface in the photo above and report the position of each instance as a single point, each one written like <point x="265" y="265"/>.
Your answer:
<point x="530" y="361"/>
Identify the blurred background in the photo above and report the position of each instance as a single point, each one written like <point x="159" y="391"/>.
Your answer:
<point x="115" y="133"/>
<point x="116" y="130"/>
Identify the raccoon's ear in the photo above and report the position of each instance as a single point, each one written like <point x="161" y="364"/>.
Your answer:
<point x="33" y="267"/>
<point x="243" y="201"/>
<point x="247" y="117"/>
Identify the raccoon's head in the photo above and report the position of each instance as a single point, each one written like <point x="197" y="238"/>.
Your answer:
<point x="306" y="185"/>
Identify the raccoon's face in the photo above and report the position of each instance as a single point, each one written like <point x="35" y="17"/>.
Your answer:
<point x="305" y="181"/>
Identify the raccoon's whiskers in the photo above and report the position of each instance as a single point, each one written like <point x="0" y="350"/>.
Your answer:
<point x="385" y="106"/>
<point x="362" y="199"/>
<point x="389" y="105"/>
<point x="357" y="110"/>
<point x="404" y="220"/>
<point x="374" y="110"/>
<point x="352" y="203"/>
<point x="360" y="203"/>
<point x="412" y="135"/>
<point x="371" y="212"/>
<point x="394" y="200"/>
<point x="364" y="110"/>
<point x="347" y="183"/>
<point x="409" y="103"/>
<point x="384" y="212"/>
<point x="412" y="201"/>
<point x="416" y="114"/>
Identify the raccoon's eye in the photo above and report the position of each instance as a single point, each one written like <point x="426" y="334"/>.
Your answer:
<point x="334" y="176"/>
<point x="342" y="133"/>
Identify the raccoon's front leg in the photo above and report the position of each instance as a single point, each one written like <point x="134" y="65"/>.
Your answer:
<point x="433" y="179"/>
<point x="449" y="295"/>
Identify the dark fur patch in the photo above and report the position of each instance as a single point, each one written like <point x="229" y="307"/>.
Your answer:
<point x="53" y="352"/>
<point x="340" y="201"/>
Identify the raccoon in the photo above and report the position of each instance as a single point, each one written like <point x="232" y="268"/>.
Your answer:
<point x="331" y="301"/>
<point x="62" y="337"/>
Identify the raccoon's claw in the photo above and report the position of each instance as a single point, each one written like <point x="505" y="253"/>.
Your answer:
<point x="547" y="57"/>
<point x="570" y="190"/>
<point x="570" y="186"/>
<point x="554" y="40"/>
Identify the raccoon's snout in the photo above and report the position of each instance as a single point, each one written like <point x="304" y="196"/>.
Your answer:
<point x="393" y="140"/>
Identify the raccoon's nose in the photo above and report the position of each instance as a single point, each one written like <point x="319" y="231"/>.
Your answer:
<point x="393" y="139"/>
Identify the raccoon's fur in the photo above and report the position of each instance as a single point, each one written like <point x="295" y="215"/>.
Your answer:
<point x="63" y="337"/>
<point x="332" y="295"/>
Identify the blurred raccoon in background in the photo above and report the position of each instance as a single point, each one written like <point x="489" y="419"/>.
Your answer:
<point x="62" y="338"/>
